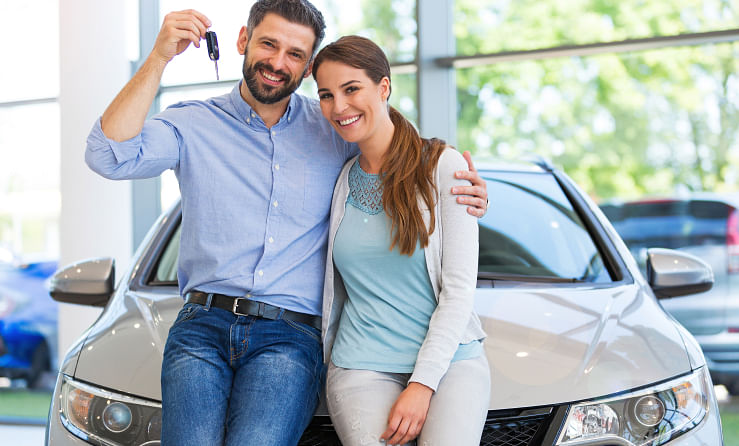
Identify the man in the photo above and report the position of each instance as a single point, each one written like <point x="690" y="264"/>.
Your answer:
<point x="256" y="169"/>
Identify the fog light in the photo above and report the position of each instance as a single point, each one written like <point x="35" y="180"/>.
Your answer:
<point x="649" y="411"/>
<point x="117" y="417"/>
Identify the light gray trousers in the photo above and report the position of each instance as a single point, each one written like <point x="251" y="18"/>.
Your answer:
<point x="359" y="402"/>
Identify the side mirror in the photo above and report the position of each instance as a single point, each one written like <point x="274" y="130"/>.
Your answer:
<point x="673" y="273"/>
<point x="90" y="282"/>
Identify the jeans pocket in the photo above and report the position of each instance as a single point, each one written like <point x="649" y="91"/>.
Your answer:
<point x="305" y="329"/>
<point x="188" y="311"/>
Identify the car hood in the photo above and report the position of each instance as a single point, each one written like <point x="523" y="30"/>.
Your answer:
<point x="545" y="345"/>
<point x="576" y="343"/>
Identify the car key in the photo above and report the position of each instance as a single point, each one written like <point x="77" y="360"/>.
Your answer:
<point x="212" y="40"/>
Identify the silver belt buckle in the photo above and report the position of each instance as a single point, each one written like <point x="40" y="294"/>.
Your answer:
<point x="236" y="304"/>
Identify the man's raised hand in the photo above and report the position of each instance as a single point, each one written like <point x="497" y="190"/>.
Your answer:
<point x="179" y="29"/>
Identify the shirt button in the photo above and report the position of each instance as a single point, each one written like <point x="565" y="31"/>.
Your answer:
<point x="277" y="167"/>
<point x="248" y="121"/>
<point x="273" y="133"/>
<point x="261" y="273"/>
<point x="271" y="240"/>
<point x="248" y="296"/>
<point x="252" y="114"/>
<point x="274" y="204"/>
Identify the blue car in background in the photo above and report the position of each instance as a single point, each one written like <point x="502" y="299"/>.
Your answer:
<point x="28" y="322"/>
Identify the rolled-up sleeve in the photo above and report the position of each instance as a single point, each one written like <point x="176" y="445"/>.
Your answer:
<point x="146" y="155"/>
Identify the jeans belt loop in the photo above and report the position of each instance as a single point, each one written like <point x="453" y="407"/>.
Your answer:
<point x="208" y="302"/>
<point x="260" y="309"/>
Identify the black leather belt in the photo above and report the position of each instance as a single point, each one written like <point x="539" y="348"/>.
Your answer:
<point x="242" y="306"/>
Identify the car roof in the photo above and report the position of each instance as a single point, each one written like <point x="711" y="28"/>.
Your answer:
<point x="529" y="165"/>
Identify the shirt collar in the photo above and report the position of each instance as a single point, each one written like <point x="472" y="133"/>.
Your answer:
<point x="248" y="115"/>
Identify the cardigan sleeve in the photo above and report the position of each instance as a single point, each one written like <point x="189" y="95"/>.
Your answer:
<point x="459" y="252"/>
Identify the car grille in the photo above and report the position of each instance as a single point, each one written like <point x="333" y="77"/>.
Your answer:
<point x="320" y="432"/>
<point x="514" y="430"/>
<point x="502" y="428"/>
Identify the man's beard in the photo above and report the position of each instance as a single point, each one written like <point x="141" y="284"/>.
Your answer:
<point x="267" y="94"/>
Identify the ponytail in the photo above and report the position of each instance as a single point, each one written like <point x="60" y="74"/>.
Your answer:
<point x="407" y="172"/>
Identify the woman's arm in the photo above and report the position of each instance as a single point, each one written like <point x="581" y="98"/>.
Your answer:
<point x="459" y="251"/>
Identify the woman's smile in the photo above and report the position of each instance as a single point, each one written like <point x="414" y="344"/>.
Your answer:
<point x="345" y="122"/>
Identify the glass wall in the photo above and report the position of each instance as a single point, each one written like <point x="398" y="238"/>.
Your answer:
<point x="620" y="124"/>
<point x="652" y="121"/>
<point x="29" y="180"/>
<point x="29" y="132"/>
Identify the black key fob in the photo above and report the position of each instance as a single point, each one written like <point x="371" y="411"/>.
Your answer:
<point x="212" y="40"/>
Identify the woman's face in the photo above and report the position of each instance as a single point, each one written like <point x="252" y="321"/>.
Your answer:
<point x="351" y="101"/>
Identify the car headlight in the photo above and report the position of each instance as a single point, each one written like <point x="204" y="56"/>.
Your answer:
<point x="648" y="417"/>
<point x="106" y="418"/>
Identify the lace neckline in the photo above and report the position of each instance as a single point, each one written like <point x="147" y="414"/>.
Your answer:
<point x="365" y="190"/>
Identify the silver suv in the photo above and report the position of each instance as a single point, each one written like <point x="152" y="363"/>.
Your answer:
<point x="707" y="226"/>
<point x="580" y="350"/>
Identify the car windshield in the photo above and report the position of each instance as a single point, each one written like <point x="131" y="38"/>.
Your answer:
<point x="669" y="223"/>
<point x="532" y="233"/>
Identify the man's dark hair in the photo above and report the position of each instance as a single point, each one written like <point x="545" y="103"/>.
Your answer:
<point x="296" y="11"/>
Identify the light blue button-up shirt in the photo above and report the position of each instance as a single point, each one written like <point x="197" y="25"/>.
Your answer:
<point x="255" y="200"/>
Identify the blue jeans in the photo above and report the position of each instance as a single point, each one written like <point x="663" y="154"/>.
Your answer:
<point x="238" y="380"/>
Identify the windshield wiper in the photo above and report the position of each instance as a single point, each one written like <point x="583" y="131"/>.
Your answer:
<point x="525" y="278"/>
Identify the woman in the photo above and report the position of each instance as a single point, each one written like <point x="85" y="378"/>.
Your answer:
<point x="399" y="327"/>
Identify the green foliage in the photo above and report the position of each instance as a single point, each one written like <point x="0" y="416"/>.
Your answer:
<point x="623" y="125"/>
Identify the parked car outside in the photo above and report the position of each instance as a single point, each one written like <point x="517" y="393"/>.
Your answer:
<point x="707" y="226"/>
<point x="580" y="350"/>
<point x="28" y="322"/>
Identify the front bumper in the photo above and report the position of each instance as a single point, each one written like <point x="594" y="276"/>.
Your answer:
<point x="708" y="433"/>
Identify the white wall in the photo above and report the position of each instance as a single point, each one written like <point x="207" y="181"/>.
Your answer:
<point x="96" y="213"/>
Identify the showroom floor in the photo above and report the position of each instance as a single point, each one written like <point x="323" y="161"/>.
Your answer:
<point x="22" y="435"/>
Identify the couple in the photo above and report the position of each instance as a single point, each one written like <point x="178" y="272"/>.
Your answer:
<point x="243" y="362"/>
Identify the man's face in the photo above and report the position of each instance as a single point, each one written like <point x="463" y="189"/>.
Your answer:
<point x="276" y="57"/>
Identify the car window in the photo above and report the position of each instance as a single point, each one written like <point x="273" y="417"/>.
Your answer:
<point x="532" y="230"/>
<point x="670" y="223"/>
<point x="165" y="273"/>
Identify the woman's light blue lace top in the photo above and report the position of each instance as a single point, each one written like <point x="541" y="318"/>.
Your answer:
<point x="391" y="300"/>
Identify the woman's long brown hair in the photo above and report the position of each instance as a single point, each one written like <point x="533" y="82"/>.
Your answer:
<point x="408" y="166"/>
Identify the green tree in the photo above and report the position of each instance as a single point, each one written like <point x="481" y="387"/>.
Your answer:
<point x="620" y="124"/>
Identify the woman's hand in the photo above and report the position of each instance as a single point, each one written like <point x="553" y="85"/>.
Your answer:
<point x="407" y="414"/>
<point x="477" y="199"/>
